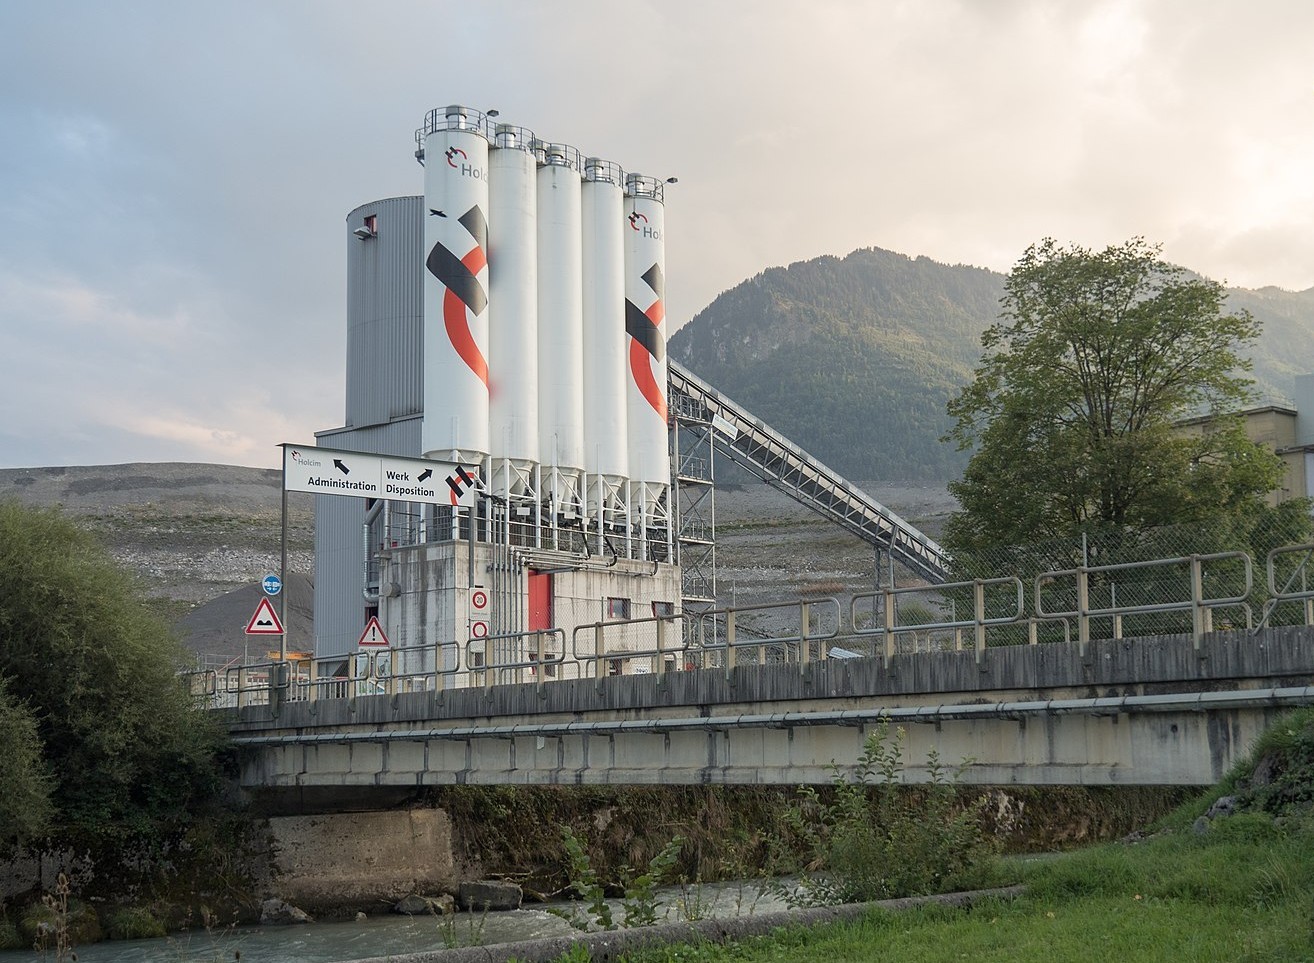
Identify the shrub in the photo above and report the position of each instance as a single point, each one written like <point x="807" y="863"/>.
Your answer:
<point x="880" y="840"/>
<point x="640" y="899"/>
<point x="128" y="753"/>
<point x="133" y="923"/>
<point x="9" y="938"/>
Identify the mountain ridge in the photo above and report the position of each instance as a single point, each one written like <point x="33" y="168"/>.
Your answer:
<point x="857" y="357"/>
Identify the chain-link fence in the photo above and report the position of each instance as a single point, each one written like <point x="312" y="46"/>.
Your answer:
<point x="1230" y="573"/>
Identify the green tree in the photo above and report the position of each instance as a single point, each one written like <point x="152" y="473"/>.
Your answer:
<point x="1095" y="357"/>
<point x="25" y="781"/>
<point x="128" y="753"/>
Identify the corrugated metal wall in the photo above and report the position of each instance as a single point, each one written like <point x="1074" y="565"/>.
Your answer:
<point x="385" y="394"/>
<point x="385" y="313"/>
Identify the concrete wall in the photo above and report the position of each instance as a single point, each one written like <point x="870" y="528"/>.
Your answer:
<point x="363" y="857"/>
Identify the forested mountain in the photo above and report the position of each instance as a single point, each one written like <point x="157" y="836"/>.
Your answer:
<point x="855" y="358"/>
<point x="1286" y="348"/>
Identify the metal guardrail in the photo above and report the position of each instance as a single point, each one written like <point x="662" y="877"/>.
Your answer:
<point x="544" y="654"/>
<point x="705" y="639"/>
<point x="890" y="628"/>
<point x="602" y="656"/>
<point x="1186" y="567"/>
<point x="717" y="639"/>
<point x="1297" y="579"/>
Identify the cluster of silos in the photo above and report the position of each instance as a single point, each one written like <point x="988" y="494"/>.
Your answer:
<point x="544" y="345"/>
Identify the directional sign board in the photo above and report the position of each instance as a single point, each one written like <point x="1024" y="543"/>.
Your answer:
<point x="373" y="634"/>
<point x="265" y="621"/>
<point x="327" y="471"/>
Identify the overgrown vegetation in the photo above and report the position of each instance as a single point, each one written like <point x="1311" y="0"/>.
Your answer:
<point x="104" y="762"/>
<point x="729" y="830"/>
<point x="638" y="888"/>
<point x="101" y="749"/>
<point x="1235" y="886"/>
<point x="875" y="840"/>
<point x="25" y="777"/>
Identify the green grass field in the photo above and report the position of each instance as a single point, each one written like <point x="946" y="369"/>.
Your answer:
<point x="1226" y="896"/>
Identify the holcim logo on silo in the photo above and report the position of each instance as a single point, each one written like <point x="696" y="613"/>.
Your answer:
<point x="466" y="169"/>
<point x="645" y="230"/>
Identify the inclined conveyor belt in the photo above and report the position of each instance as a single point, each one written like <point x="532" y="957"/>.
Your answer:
<point x="752" y="444"/>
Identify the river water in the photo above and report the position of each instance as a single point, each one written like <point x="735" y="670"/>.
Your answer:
<point x="393" y="934"/>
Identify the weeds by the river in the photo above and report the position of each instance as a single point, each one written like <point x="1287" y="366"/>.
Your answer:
<point x="640" y="897"/>
<point x="53" y="932"/>
<point x="471" y="935"/>
<point x="876" y="841"/>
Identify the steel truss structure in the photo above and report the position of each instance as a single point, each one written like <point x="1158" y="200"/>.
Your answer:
<point x="752" y="444"/>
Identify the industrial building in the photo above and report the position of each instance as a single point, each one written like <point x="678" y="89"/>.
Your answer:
<point x="508" y="325"/>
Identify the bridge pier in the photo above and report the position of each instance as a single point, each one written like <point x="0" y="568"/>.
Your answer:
<point x="330" y="860"/>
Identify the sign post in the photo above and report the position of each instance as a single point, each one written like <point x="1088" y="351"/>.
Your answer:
<point x="359" y="474"/>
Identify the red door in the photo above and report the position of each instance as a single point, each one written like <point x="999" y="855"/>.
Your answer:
<point x="540" y="600"/>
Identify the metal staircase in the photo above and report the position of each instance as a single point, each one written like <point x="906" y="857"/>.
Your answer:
<point x="752" y="444"/>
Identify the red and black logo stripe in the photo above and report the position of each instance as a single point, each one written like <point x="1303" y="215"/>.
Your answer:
<point x="463" y="290"/>
<point x="647" y="341"/>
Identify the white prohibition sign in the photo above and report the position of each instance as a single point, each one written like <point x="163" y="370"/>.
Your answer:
<point x="478" y="630"/>
<point x="479" y="599"/>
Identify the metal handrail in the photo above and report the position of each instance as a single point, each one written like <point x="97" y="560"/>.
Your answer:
<point x="489" y="670"/>
<point x="1302" y="569"/>
<point x="593" y="663"/>
<point x="804" y="638"/>
<point x="684" y="634"/>
<point x="978" y="623"/>
<point x="422" y="678"/>
<point x="1285" y="594"/>
<point x="1200" y="605"/>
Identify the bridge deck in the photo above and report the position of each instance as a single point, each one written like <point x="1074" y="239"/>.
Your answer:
<point x="1145" y="711"/>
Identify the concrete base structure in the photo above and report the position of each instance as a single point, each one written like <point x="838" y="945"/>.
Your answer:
<point x="363" y="858"/>
<point x="478" y="604"/>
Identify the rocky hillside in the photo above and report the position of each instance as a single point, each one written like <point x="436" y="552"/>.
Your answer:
<point x="858" y="356"/>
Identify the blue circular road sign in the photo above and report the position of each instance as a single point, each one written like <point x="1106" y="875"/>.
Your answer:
<point x="272" y="585"/>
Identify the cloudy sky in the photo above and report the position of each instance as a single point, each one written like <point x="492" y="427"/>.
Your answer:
<point x="176" y="175"/>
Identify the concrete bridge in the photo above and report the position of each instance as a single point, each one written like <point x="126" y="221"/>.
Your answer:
<point x="1167" y="710"/>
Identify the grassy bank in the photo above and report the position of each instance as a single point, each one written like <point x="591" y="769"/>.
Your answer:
<point x="1239" y="893"/>
<point x="1235" y="886"/>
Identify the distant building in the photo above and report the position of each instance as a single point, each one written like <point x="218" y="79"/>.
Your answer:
<point x="1286" y="432"/>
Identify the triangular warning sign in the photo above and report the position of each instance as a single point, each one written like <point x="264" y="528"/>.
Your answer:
<point x="373" y="634"/>
<point x="265" y="621"/>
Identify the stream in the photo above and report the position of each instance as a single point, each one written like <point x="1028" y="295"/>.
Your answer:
<point x="394" y="934"/>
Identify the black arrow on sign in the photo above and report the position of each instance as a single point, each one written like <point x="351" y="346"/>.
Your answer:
<point x="337" y="463"/>
<point x="425" y="475"/>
